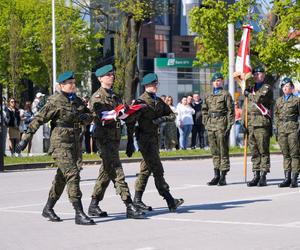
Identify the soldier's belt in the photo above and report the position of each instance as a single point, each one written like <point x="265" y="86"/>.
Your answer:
<point x="216" y="114"/>
<point x="112" y="125"/>
<point x="289" y="119"/>
<point x="66" y="125"/>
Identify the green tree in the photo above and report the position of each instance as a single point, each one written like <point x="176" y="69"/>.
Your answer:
<point x="277" y="45"/>
<point x="26" y="49"/>
<point x="132" y="14"/>
<point x="210" y="23"/>
<point x="274" y="46"/>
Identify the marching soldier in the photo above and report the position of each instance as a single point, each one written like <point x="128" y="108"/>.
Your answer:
<point x="108" y="135"/>
<point x="286" y="114"/>
<point x="68" y="113"/>
<point x="149" y="120"/>
<point x="218" y="118"/>
<point x="260" y="99"/>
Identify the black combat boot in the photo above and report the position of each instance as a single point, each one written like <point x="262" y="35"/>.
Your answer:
<point x="94" y="209"/>
<point x="216" y="178"/>
<point x="263" y="179"/>
<point x="133" y="212"/>
<point x="287" y="181"/>
<point x="80" y="217"/>
<point x="173" y="204"/>
<point x="294" y="182"/>
<point x="138" y="203"/>
<point x="222" y="181"/>
<point x="255" y="180"/>
<point x="48" y="211"/>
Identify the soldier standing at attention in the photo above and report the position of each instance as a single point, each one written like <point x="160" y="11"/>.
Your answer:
<point x="286" y="114"/>
<point x="260" y="99"/>
<point x="149" y="120"/>
<point x="68" y="113"/>
<point x="108" y="136"/>
<point x="218" y="118"/>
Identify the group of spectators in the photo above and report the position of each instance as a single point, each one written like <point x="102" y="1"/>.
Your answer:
<point x="16" y="119"/>
<point x="188" y="120"/>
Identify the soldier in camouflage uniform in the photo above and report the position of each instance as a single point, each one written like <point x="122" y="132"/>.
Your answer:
<point x="68" y="113"/>
<point x="108" y="135"/>
<point x="148" y="120"/>
<point x="218" y="118"/>
<point x="286" y="114"/>
<point x="260" y="99"/>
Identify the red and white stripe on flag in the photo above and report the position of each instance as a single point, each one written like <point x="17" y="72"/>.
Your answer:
<point x="120" y="113"/>
<point x="242" y="64"/>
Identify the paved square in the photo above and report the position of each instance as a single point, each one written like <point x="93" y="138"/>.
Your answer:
<point x="230" y="217"/>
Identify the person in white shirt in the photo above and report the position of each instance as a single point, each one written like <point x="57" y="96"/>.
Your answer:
<point x="184" y="122"/>
<point x="35" y="104"/>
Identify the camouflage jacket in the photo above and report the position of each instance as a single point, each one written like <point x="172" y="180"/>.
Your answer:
<point x="218" y="111"/>
<point x="64" y="114"/>
<point x="101" y="101"/>
<point x="263" y="96"/>
<point x="286" y="114"/>
<point x="156" y="108"/>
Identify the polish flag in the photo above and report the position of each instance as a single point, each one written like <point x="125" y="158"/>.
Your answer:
<point x="243" y="70"/>
<point x="120" y="112"/>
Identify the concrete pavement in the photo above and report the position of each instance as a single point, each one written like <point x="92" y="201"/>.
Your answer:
<point x="230" y="217"/>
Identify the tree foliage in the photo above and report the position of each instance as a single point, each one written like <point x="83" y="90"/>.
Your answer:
<point x="26" y="47"/>
<point x="274" y="46"/>
<point x="132" y="14"/>
<point x="278" y="45"/>
<point x="210" y="23"/>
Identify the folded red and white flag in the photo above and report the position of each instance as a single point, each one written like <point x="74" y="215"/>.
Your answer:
<point x="242" y="64"/>
<point x="263" y="110"/>
<point x="121" y="112"/>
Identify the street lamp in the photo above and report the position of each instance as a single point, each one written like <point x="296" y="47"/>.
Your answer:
<point x="53" y="47"/>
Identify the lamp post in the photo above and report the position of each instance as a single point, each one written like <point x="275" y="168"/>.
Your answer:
<point x="231" y="70"/>
<point x="2" y="150"/>
<point x="53" y="48"/>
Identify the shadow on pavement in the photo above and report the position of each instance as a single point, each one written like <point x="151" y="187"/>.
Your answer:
<point x="210" y="206"/>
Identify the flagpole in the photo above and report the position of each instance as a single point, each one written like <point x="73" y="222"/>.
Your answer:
<point x="245" y="138"/>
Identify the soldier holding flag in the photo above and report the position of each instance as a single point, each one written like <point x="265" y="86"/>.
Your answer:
<point x="259" y="129"/>
<point x="108" y="135"/>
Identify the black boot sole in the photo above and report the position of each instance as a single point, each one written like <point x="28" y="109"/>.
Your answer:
<point x="102" y="214"/>
<point x="85" y="223"/>
<point x="143" y="209"/>
<point x="138" y="217"/>
<point x="50" y="219"/>
<point x="173" y="209"/>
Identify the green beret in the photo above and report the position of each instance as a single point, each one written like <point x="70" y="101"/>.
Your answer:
<point x="67" y="75"/>
<point x="285" y="81"/>
<point x="216" y="76"/>
<point x="258" y="69"/>
<point x="104" y="70"/>
<point x="149" y="78"/>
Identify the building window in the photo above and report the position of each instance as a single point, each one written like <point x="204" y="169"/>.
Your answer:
<point x="145" y="47"/>
<point x="185" y="43"/>
<point x="185" y="49"/>
<point x="185" y="46"/>
<point x="161" y="43"/>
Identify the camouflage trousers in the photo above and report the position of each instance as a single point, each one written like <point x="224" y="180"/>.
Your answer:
<point x="259" y="144"/>
<point x="110" y="170"/>
<point x="151" y="163"/>
<point x="219" y="147"/>
<point x="68" y="161"/>
<point x="290" y="148"/>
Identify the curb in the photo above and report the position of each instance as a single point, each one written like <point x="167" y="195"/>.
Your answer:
<point x="49" y="165"/>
